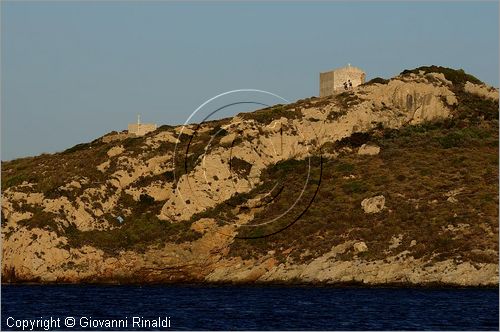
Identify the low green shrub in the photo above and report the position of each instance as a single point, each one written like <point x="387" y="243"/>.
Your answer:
<point x="136" y="233"/>
<point x="377" y="80"/>
<point x="240" y="167"/>
<point x="456" y="76"/>
<point x="354" y="187"/>
<point x="268" y="115"/>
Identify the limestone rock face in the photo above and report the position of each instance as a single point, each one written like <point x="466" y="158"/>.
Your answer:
<point x="327" y="269"/>
<point x="413" y="96"/>
<point x="481" y="90"/>
<point x="369" y="150"/>
<point x="373" y="204"/>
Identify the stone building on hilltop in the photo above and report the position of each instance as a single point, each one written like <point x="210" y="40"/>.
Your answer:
<point x="140" y="129"/>
<point x="337" y="80"/>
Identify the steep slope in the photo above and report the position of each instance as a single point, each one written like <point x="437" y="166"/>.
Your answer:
<point x="393" y="182"/>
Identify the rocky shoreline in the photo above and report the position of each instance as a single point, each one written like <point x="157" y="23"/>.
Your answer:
<point x="401" y="285"/>
<point x="323" y="271"/>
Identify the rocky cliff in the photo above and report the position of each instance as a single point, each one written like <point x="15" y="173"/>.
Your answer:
<point x="393" y="182"/>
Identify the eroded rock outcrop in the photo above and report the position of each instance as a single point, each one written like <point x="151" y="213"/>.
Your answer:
<point x="368" y="150"/>
<point x="373" y="204"/>
<point x="193" y="201"/>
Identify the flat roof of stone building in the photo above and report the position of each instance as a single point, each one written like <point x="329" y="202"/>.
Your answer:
<point x="348" y="68"/>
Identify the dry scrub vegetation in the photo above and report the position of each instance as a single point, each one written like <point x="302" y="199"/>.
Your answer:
<point x="417" y="166"/>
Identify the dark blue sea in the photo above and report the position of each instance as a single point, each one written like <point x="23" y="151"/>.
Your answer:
<point x="247" y="308"/>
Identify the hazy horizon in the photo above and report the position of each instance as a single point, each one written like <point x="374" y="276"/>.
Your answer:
<point x="73" y="71"/>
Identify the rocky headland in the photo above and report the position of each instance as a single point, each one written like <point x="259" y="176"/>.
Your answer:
<point x="394" y="182"/>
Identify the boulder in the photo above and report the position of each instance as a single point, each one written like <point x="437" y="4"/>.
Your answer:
<point x="360" y="247"/>
<point x="369" y="150"/>
<point x="373" y="204"/>
<point x="115" y="150"/>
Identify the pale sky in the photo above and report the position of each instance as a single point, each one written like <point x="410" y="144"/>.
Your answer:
<point x="73" y="71"/>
